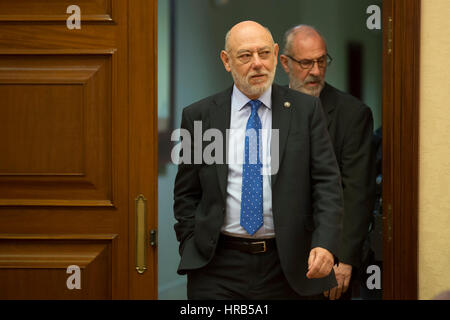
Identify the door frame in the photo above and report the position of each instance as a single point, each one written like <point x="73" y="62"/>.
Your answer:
<point x="400" y="121"/>
<point x="143" y="142"/>
<point x="401" y="84"/>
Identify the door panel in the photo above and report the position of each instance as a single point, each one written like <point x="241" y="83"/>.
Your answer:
<point x="35" y="266"/>
<point x="54" y="10"/>
<point x="68" y="172"/>
<point x="56" y="123"/>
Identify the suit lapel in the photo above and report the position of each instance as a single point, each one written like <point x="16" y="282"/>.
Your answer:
<point x="281" y="120"/>
<point x="326" y="98"/>
<point x="220" y="119"/>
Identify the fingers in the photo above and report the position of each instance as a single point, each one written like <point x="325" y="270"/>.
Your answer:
<point x="335" y="293"/>
<point x="332" y="294"/>
<point x="338" y="292"/>
<point x="319" y="269"/>
<point x="343" y="277"/>
<point x="320" y="263"/>
<point x="346" y="283"/>
<point x="311" y="264"/>
<point x="340" y="280"/>
<point x="325" y="268"/>
<point x="314" y="268"/>
<point x="312" y="257"/>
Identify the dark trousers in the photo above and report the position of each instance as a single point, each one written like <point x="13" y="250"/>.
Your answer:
<point x="236" y="275"/>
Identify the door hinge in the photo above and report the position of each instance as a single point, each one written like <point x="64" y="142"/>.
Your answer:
<point x="153" y="237"/>
<point x="390" y="35"/>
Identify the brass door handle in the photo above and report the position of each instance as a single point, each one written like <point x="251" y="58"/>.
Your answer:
<point x="141" y="238"/>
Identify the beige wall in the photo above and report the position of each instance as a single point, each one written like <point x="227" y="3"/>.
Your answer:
<point x="434" y="161"/>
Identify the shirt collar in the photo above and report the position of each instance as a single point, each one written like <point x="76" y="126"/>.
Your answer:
<point x="240" y="100"/>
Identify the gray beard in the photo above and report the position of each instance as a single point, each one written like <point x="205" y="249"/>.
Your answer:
<point x="300" y="86"/>
<point x="245" y="87"/>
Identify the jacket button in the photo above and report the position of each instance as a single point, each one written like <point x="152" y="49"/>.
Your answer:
<point x="212" y="241"/>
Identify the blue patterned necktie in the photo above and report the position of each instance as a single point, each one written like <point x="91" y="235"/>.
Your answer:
<point x="252" y="182"/>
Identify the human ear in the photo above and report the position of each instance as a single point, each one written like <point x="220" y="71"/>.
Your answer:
<point x="285" y="63"/>
<point x="225" y="59"/>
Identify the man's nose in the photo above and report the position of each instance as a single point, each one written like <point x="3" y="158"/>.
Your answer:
<point x="256" y="61"/>
<point x="315" y="70"/>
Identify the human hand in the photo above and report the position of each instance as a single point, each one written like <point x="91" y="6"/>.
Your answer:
<point x="343" y="274"/>
<point x="320" y="263"/>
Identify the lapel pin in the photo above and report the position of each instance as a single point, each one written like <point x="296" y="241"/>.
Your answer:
<point x="287" y="104"/>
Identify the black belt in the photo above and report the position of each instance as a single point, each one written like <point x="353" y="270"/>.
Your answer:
<point x="247" y="245"/>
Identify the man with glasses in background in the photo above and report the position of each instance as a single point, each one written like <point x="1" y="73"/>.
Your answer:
<point x="350" y="125"/>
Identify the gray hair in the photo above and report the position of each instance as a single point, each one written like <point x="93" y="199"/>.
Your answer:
<point x="289" y="35"/>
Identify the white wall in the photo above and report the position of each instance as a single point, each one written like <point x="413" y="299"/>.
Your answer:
<point x="434" y="156"/>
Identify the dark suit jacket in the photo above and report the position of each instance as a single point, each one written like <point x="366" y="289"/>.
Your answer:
<point x="350" y="125"/>
<point x="306" y="191"/>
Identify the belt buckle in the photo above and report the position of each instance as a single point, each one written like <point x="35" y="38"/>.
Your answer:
<point x="264" y="246"/>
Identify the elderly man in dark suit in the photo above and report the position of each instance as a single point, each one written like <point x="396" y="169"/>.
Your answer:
<point x="350" y="125"/>
<point x="246" y="232"/>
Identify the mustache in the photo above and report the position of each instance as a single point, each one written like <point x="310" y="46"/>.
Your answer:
<point x="258" y="74"/>
<point x="311" y="78"/>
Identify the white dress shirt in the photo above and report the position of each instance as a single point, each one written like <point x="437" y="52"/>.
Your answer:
<point x="240" y="112"/>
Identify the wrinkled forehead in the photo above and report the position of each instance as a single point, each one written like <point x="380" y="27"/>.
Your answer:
<point x="309" y="47"/>
<point x="249" y="38"/>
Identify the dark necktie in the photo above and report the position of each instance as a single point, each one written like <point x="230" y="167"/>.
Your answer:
<point x="252" y="182"/>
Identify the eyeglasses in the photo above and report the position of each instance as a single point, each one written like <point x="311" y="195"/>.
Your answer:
<point x="307" y="64"/>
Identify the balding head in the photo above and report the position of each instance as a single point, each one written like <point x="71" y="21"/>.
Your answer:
<point x="245" y="28"/>
<point x="300" y="33"/>
<point x="251" y="56"/>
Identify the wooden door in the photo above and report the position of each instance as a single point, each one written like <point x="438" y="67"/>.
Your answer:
<point x="78" y="150"/>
